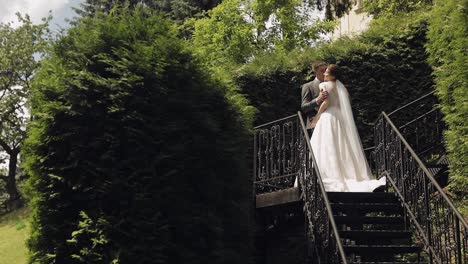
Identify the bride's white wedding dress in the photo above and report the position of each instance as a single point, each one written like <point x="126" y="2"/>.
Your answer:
<point x="337" y="147"/>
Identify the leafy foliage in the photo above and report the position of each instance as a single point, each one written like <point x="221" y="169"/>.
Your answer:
<point x="381" y="72"/>
<point x="18" y="48"/>
<point x="236" y="31"/>
<point x="394" y="7"/>
<point x="225" y="37"/>
<point x="135" y="154"/>
<point x="286" y="25"/>
<point x="177" y="10"/>
<point x="180" y="10"/>
<point x="337" y="8"/>
<point x="448" y="40"/>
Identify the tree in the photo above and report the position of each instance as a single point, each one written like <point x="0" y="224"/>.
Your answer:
<point x="236" y="31"/>
<point x="91" y="7"/>
<point x="393" y="7"/>
<point x="177" y="10"/>
<point x="225" y="37"/>
<point x="19" y="50"/>
<point x="180" y="10"/>
<point x="135" y="154"/>
<point x="287" y="25"/>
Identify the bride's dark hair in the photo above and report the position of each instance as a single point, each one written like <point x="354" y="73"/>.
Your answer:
<point x="334" y="71"/>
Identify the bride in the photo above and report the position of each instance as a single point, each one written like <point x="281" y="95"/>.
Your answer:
<point x="336" y="144"/>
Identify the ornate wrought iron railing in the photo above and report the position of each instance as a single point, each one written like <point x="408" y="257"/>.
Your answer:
<point x="420" y="122"/>
<point x="282" y="154"/>
<point x="322" y="231"/>
<point x="276" y="154"/>
<point x="439" y="225"/>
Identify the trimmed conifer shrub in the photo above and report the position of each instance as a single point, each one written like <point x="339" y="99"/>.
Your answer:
<point x="447" y="46"/>
<point x="135" y="155"/>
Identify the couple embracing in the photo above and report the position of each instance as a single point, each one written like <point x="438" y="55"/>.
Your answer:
<point x="335" y="140"/>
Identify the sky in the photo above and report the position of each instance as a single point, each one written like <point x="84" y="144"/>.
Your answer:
<point x="37" y="9"/>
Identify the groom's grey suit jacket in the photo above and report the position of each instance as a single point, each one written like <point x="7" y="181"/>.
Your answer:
<point x="310" y="92"/>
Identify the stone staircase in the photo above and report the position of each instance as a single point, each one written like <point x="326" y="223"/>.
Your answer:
<point x="372" y="228"/>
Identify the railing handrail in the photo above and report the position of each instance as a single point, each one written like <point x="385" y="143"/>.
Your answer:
<point x="418" y="118"/>
<point x="272" y="122"/>
<point x="427" y="173"/>
<point x="410" y="103"/>
<point x="323" y="192"/>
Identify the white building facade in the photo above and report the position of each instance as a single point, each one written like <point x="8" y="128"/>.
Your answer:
<point x="353" y="23"/>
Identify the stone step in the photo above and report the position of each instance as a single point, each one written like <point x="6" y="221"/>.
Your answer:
<point x="390" y="220"/>
<point x="362" y="208"/>
<point x="375" y="234"/>
<point x="361" y="197"/>
<point x="376" y="237"/>
<point x="372" y="250"/>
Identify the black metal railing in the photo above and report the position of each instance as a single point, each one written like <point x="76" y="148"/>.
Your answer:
<point x="418" y="106"/>
<point x="420" y="122"/>
<point x="439" y="225"/>
<point x="276" y="154"/>
<point x="322" y="231"/>
<point x="282" y="154"/>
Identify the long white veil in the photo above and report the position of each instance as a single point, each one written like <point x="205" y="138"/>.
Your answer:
<point x="351" y="129"/>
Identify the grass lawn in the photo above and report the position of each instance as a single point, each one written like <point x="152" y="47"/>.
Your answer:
<point x="14" y="230"/>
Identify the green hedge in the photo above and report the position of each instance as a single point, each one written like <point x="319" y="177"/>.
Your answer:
<point x="135" y="155"/>
<point x="382" y="71"/>
<point x="447" y="46"/>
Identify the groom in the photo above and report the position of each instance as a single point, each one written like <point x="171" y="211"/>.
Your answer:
<point x="311" y="95"/>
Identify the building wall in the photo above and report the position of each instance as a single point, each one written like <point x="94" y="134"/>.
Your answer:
<point x="353" y="23"/>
